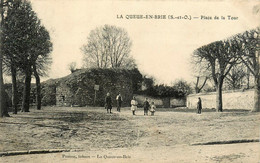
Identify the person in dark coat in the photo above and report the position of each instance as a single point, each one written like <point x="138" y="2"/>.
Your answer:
<point x="119" y="101"/>
<point x="108" y="103"/>
<point x="199" y="105"/>
<point x="146" y="106"/>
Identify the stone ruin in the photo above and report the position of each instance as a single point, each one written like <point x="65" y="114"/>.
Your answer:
<point x="77" y="89"/>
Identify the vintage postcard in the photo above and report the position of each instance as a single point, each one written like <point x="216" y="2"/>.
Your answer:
<point x="130" y="81"/>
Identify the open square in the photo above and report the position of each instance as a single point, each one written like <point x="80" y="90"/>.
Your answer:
<point x="92" y="130"/>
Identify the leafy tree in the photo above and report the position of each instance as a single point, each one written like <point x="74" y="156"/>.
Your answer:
<point x="182" y="87"/>
<point x="41" y="60"/>
<point x="164" y="91"/>
<point x="27" y="45"/>
<point x="148" y="86"/>
<point x="137" y="79"/>
<point x="108" y="47"/>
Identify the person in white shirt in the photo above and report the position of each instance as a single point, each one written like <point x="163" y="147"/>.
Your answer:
<point x="134" y="104"/>
<point x="152" y="109"/>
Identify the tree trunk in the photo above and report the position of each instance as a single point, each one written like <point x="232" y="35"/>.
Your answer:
<point x="219" y="106"/>
<point x="3" y="98"/>
<point x="26" y="91"/>
<point x="3" y="95"/>
<point x="257" y="95"/>
<point x="14" y="90"/>
<point x="2" y="108"/>
<point x="197" y="85"/>
<point x="248" y="78"/>
<point x="257" y="85"/>
<point x="38" y="88"/>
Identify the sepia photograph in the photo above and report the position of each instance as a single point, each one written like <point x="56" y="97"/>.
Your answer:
<point x="130" y="81"/>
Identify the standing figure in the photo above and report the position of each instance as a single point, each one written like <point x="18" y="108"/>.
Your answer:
<point x="199" y="105"/>
<point x="134" y="104"/>
<point x="152" y="109"/>
<point x="146" y="106"/>
<point x="119" y="101"/>
<point x="108" y="103"/>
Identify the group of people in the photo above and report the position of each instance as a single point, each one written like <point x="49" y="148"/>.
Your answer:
<point x="146" y="105"/>
<point x="134" y="103"/>
<point x="108" y="102"/>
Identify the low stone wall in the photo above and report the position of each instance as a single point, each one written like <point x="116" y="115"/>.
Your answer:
<point x="231" y="100"/>
<point x="141" y="98"/>
<point x="161" y="102"/>
<point x="177" y="102"/>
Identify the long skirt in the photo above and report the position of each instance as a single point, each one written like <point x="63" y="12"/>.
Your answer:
<point x="133" y="107"/>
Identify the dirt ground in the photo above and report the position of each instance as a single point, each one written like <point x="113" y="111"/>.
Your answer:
<point x="167" y="136"/>
<point x="235" y="153"/>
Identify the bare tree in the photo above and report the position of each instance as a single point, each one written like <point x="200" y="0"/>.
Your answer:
<point x="235" y="79"/>
<point x="201" y="72"/>
<point x="219" y="57"/>
<point x="199" y="88"/>
<point x="248" y="43"/>
<point x="108" y="47"/>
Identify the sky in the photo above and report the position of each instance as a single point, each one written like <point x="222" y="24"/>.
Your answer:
<point x="162" y="48"/>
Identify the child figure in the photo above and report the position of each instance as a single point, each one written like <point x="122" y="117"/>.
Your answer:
<point x="152" y="109"/>
<point x="134" y="104"/>
<point x="146" y="106"/>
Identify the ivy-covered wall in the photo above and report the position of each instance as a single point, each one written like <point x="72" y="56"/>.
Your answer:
<point x="77" y="89"/>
